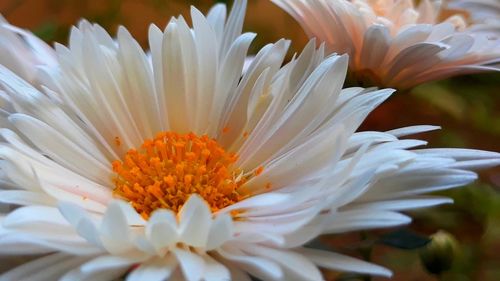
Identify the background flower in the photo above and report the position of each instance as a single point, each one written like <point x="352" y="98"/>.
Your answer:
<point x="396" y="43"/>
<point x="477" y="10"/>
<point x="482" y="15"/>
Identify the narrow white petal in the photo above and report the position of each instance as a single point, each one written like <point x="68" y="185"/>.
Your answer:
<point x="156" y="270"/>
<point x="81" y="221"/>
<point x="364" y="219"/>
<point x="32" y="214"/>
<point x="260" y="267"/>
<point x="141" y="96"/>
<point x="20" y="197"/>
<point x="103" y="263"/>
<point x="61" y="149"/>
<point x="401" y="204"/>
<point x="20" y="243"/>
<point x="221" y="230"/>
<point x="217" y="17"/>
<point x="195" y="221"/>
<point x="115" y="231"/>
<point x="50" y="267"/>
<point x="214" y="270"/>
<point x="297" y="264"/>
<point x="161" y="229"/>
<point x="340" y="262"/>
<point x="234" y="24"/>
<point x="401" y="132"/>
<point x="192" y="264"/>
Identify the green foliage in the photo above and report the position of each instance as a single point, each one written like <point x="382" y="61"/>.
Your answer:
<point x="404" y="239"/>
<point x="47" y="31"/>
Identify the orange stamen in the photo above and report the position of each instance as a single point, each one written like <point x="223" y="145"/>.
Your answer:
<point x="165" y="171"/>
<point x="118" y="141"/>
<point x="259" y="170"/>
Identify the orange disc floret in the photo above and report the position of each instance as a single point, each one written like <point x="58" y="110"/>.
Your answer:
<point x="165" y="171"/>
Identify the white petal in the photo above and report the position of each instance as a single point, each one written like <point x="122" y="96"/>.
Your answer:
<point x="55" y="180"/>
<point x="61" y="149"/>
<point x="364" y="219"/>
<point x="221" y="230"/>
<point x="401" y="132"/>
<point x="301" y="267"/>
<point x="20" y="197"/>
<point x="103" y="263"/>
<point x="141" y="96"/>
<point x="161" y="229"/>
<point x="260" y="267"/>
<point x="156" y="270"/>
<point x="258" y="201"/>
<point x="81" y="221"/>
<point x="206" y="48"/>
<point x="340" y="262"/>
<point x="215" y="271"/>
<point x="401" y="204"/>
<point x="115" y="231"/>
<point x="178" y="75"/>
<point x="375" y="45"/>
<point x="34" y="214"/>
<point x="217" y="17"/>
<point x="194" y="221"/>
<point x="106" y="275"/>
<point x="192" y="264"/>
<point x="234" y="24"/>
<point x="50" y="267"/>
<point x="418" y="182"/>
<point x="20" y="243"/>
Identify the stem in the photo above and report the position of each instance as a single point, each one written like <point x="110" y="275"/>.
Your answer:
<point x="366" y="253"/>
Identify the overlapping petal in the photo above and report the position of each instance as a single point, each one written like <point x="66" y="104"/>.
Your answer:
<point x="24" y="53"/>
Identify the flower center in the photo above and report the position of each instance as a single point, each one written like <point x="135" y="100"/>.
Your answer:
<point x="165" y="171"/>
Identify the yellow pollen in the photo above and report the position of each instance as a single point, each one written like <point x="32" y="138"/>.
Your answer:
<point x="268" y="185"/>
<point x="118" y="141"/>
<point x="165" y="171"/>
<point x="259" y="170"/>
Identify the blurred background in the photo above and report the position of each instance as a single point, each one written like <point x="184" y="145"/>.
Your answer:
<point x="467" y="108"/>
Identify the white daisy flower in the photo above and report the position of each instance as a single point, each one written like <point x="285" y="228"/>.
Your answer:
<point x="395" y="42"/>
<point x="24" y="53"/>
<point x="180" y="167"/>
<point x="476" y="10"/>
<point x="482" y="15"/>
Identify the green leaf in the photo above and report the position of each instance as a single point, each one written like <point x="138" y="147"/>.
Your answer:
<point x="46" y="31"/>
<point x="404" y="239"/>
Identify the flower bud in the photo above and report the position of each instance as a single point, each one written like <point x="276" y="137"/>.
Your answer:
<point x="439" y="254"/>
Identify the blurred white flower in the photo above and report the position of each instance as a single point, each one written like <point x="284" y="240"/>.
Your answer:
<point x="482" y="15"/>
<point x="476" y="10"/>
<point x="187" y="169"/>
<point x="24" y="53"/>
<point x="396" y="43"/>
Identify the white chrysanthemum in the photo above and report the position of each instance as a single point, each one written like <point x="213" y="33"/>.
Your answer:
<point x="482" y="15"/>
<point x="222" y="175"/>
<point x="476" y="10"/>
<point x="23" y="53"/>
<point x="395" y="43"/>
